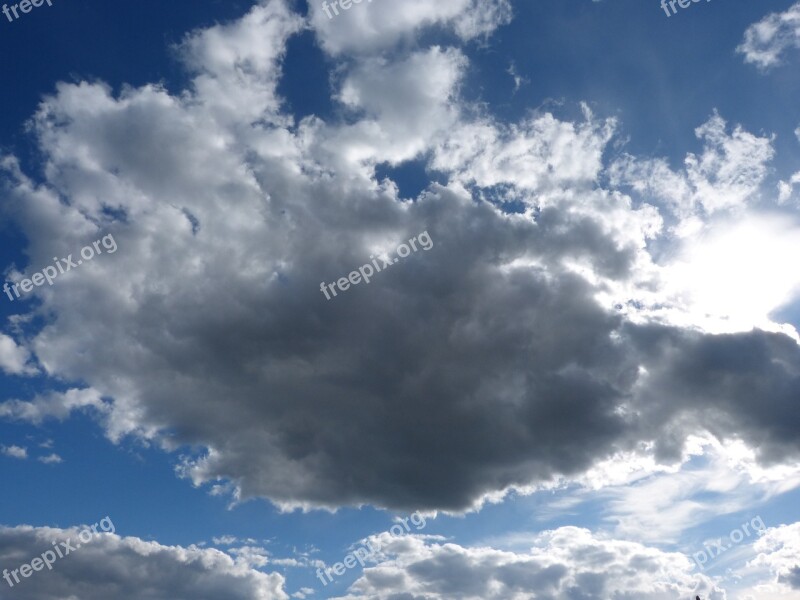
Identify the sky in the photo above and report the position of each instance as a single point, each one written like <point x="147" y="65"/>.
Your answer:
<point x="400" y="300"/>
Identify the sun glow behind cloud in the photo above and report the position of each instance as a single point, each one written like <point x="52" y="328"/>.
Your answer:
<point x="734" y="275"/>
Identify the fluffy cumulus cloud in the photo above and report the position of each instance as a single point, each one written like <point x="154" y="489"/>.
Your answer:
<point x="779" y="549"/>
<point x="14" y="452"/>
<point x="53" y="405"/>
<point x="14" y="359"/>
<point x="539" y="154"/>
<point x="765" y="42"/>
<point x="374" y="25"/>
<point x="110" y="566"/>
<point x="521" y="348"/>
<point x="726" y="175"/>
<point x="566" y="563"/>
<point x="379" y="91"/>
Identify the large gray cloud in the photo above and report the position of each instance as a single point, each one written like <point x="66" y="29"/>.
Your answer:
<point x="484" y="363"/>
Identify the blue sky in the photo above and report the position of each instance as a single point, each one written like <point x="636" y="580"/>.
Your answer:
<point x="591" y="374"/>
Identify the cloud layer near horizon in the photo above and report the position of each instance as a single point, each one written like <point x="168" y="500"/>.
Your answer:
<point x="566" y="562"/>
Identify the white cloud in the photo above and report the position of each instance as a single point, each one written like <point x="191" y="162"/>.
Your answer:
<point x="647" y="500"/>
<point x="379" y="25"/>
<point x="770" y="569"/>
<point x="731" y="168"/>
<point x="236" y="65"/>
<point x="225" y="540"/>
<point x="253" y="556"/>
<point x="565" y="563"/>
<point x="786" y="188"/>
<point x="402" y="106"/>
<point x="51" y="459"/>
<point x="14" y="452"/>
<point x="660" y="507"/>
<point x="14" y="359"/>
<point x="765" y="42"/>
<point x="537" y="155"/>
<point x="53" y="405"/>
<point x="726" y="176"/>
<point x="779" y="552"/>
<point x="725" y="262"/>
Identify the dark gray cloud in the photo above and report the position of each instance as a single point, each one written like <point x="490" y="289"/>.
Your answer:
<point x="741" y="385"/>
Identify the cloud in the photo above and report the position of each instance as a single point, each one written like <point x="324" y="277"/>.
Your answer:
<point x="52" y="405"/>
<point x="566" y="563"/>
<point x="765" y="42"/>
<point x="506" y="357"/>
<point x="712" y="480"/>
<point x="235" y="64"/>
<point x="719" y="242"/>
<point x="777" y="563"/>
<point x="380" y="24"/>
<point x="14" y="452"/>
<point x="726" y="176"/>
<point x="709" y="280"/>
<point x="786" y="188"/>
<point x="225" y="540"/>
<point x="51" y="459"/>
<point x="14" y="359"/>
<point x="539" y="154"/>
<point x="253" y="556"/>
<point x="113" y="566"/>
